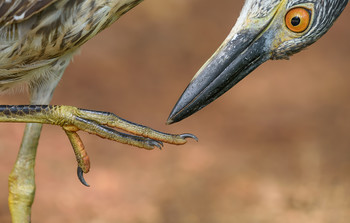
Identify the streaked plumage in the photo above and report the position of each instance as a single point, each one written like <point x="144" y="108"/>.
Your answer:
<point x="17" y="11"/>
<point x="39" y="38"/>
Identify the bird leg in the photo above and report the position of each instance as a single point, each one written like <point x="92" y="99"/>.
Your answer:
<point x="73" y="119"/>
<point x="22" y="177"/>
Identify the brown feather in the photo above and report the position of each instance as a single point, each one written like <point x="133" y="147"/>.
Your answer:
<point x="14" y="11"/>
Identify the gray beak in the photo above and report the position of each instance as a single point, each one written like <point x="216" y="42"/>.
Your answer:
<point x="238" y="56"/>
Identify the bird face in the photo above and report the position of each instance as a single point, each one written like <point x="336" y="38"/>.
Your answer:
<point x="266" y="29"/>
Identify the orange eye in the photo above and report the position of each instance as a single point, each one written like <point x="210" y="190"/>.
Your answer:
<point x="298" y="19"/>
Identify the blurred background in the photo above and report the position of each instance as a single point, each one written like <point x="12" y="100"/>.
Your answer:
<point x="275" y="148"/>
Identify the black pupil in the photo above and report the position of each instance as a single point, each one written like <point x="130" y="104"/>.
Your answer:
<point x="295" y="21"/>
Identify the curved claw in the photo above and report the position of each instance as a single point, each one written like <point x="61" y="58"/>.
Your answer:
<point x="188" y="135"/>
<point x="157" y="144"/>
<point x="81" y="177"/>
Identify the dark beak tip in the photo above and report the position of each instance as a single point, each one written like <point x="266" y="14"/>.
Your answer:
<point x="169" y="121"/>
<point x="174" y="115"/>
<point x="173" y="118"/>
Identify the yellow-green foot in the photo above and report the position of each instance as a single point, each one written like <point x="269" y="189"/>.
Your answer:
<point x="102" y="124"/>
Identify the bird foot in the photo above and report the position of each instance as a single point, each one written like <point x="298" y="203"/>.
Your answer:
<point x="98" y="123"/>
<point x="102" y="124"/>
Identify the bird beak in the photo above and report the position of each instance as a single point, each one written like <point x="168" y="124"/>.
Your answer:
<point x="247" y="47"/>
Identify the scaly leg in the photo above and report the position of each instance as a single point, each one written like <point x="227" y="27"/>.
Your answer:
<point x="72" y="119"/>
<point x="22" y="177"/>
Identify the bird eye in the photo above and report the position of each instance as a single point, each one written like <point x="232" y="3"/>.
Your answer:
<point x="298" y="19"/>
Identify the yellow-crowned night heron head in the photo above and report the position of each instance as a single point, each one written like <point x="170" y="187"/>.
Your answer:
<point x="266" y="29"/>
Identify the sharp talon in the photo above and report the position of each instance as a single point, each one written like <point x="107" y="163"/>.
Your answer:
<point x="157" y="144"/>
<point x="188" y="135"/>
<point x="81" y="176"/>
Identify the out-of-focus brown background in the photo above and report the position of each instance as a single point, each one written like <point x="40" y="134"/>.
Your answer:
<point x="275" y="148"/>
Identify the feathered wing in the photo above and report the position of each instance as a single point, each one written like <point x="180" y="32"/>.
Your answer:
<point x="36" y="33"/>
<point x="12" y="11"/>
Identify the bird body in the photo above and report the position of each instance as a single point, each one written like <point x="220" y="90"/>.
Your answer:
<point x="39" y="38"/>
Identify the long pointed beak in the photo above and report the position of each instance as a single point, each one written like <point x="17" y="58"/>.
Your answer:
<point x="239" y="55"/>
